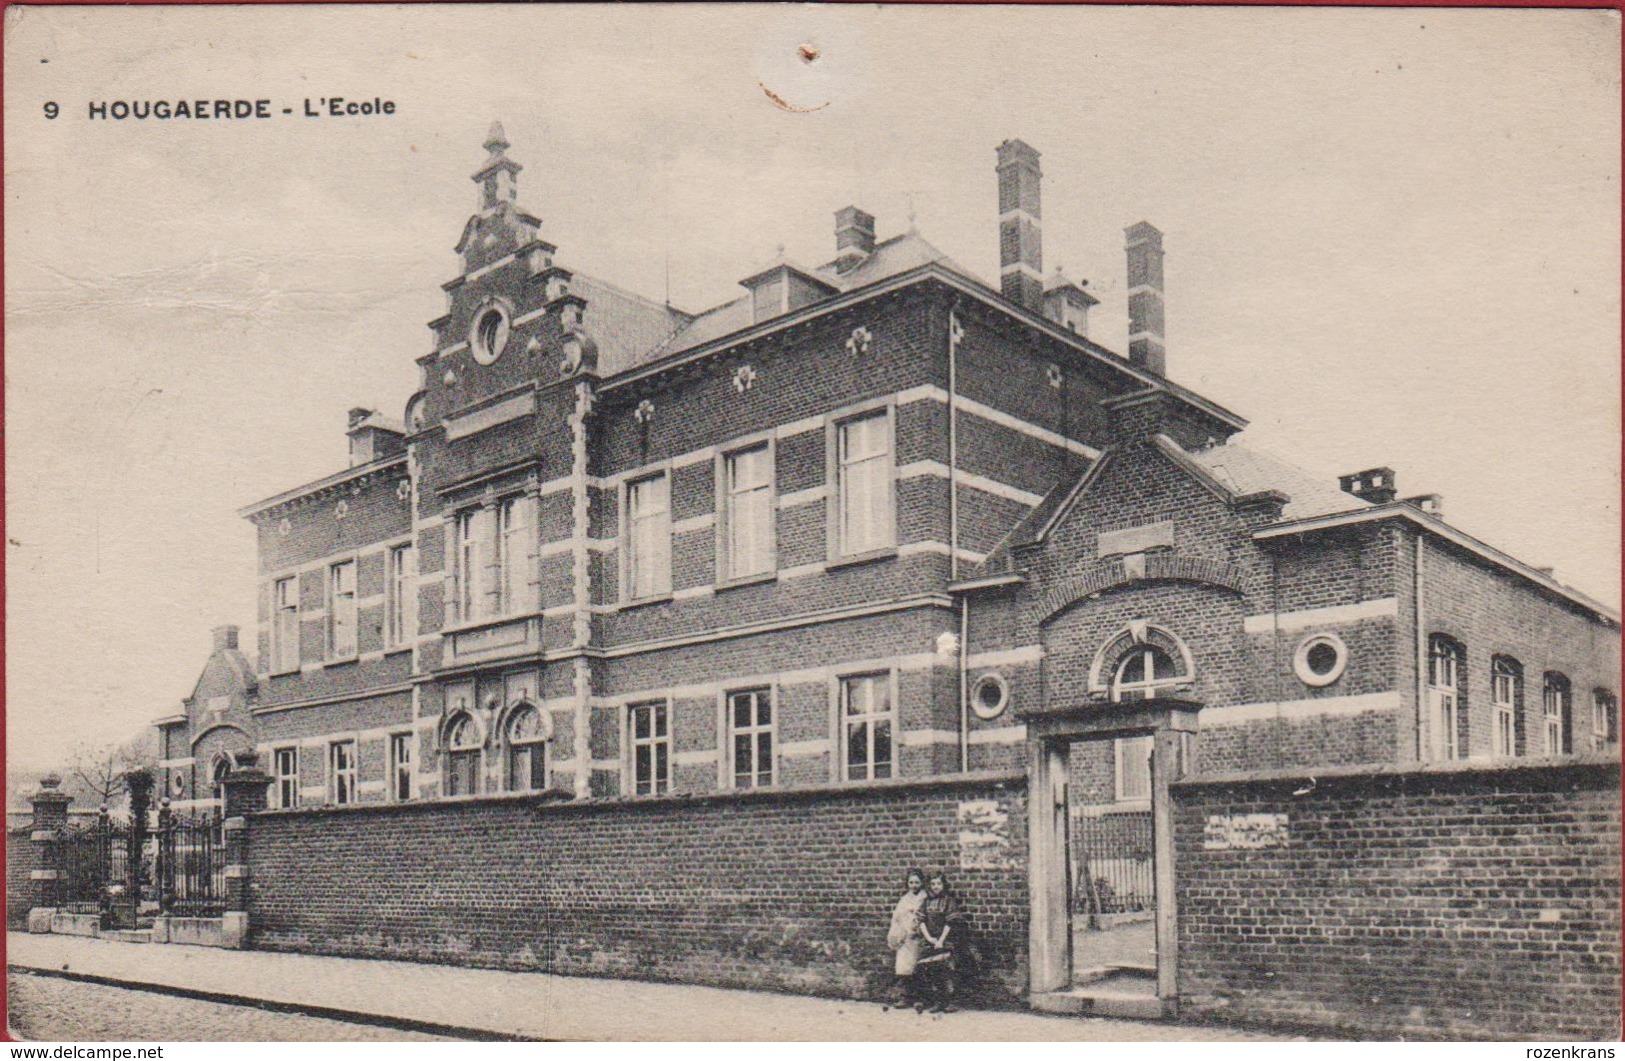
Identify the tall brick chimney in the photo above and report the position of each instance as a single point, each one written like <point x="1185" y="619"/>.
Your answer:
<point x="1021" y="243"/>
<point x="854" y="238"/>
<point x="1145" y="319"/>
<point x="224" y="637"/>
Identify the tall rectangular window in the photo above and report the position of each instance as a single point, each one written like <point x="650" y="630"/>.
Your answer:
<point x="651" y="749"/>
<point x="1133" y="768"/>
<point x="476" y="565"/>
<point x="1604" y="719"/>
<point x="750" y="723"/>
<point x="517" y="555"/>
<point x="747" y="536"/>
<point x="341" y="772"/>
<point x="1554" y="713"/>
<point x="462" y="771"/>
<point x="286" y="770"/>
<point x="868" y="721"/>
<point x="1444" y="668"/>
<point x="864" y="484"/>
<point x="648" y="516"/>
<point x="341" y="610"/>
<point x="400" y="604"/>
<point x="285" y="625"/>
<point x="400" y="766"/>
<point x="1504" y="697"/>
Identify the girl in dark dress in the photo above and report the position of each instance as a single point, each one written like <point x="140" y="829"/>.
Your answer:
<point x="940" y="928"/>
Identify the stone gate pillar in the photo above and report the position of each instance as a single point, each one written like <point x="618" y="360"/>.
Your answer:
<point x="244" y="791"/>
<point x="138" y="783"/>
<point x="50" y="822"/>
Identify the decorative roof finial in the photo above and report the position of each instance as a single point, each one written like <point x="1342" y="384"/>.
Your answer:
<point x="913" y="229"/>
<point x="496" y="141"/>
<point x="497" y="175"/>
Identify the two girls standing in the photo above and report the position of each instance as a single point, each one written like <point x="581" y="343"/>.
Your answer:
<point x="926" y="929"/>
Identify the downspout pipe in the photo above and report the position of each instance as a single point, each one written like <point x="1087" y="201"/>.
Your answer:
<point x="1421" y="652"/>
<point x="964" y="682"/>
<point x="955" y="334"/>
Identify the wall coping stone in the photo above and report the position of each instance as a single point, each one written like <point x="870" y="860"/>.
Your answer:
<point x="550" y="804"/>
<point x="1600" y="763"/>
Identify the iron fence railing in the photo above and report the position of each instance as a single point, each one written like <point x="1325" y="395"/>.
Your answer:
<point x="126" y="872"/>
<point x="1112" y="869"/>
<point x="81" y="868"/>
<point x="192" y="866"/>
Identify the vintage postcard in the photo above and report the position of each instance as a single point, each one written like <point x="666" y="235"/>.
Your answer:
<point x="760" y="522"/>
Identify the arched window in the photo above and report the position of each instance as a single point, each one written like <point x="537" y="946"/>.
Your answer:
<point x="1140" y="662"/>
<point x="222" y="767"/>
<point x="463" y="740"/>
<point x="1445" y="685"/>
<point x="527" y="750"/>
<point x="1556" y="707"/>
<point x="1141" y="671"/>
<point x="1506" y="696"/>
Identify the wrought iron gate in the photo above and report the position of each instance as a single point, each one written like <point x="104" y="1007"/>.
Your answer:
<point x="127" y="873"/>
<point x="1112" y="864"/>
<point x="192" y="867"/>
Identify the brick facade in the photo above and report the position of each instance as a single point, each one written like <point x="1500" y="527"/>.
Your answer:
<point x="1446" y="902"/>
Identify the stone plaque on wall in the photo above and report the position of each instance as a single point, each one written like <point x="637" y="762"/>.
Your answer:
<point x="984" y="835"/>
<point x="1140" y="539"/>
<point x="1244" y="832"/>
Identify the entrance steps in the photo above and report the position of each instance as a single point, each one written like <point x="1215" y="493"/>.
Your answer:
<point x="128" y="935"/>
<point x="1128" y="991"/>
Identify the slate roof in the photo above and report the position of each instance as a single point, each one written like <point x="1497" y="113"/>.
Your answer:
<point x="1247" y="470"/>
<point x="890" y="258"/>
<point x="626" y="327"/>
<point x="1240" y="468"/>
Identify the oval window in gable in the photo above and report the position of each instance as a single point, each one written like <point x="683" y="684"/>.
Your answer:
<point x="488" y="336"/>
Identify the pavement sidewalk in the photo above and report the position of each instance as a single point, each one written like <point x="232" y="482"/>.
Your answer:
<point x="541" y="1006"/>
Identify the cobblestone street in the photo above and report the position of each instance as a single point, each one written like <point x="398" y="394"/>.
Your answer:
<point x="48" y="1009"/>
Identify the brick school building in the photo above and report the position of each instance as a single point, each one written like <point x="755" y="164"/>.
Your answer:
<point x="659" y="643"/>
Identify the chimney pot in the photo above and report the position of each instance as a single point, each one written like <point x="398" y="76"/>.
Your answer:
<point x="854" y="238"/>
<point x="1021" y="235"/>
<point x="224" y="637"/>
<point x="1374" y="484"/>
<point x="1432" y="504"/>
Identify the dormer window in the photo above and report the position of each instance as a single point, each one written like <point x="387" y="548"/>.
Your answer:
<point x="783" y="287"/>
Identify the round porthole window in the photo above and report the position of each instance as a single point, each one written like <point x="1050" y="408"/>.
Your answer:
<point x="1320" y="659"/>
<point x="488" y="335"/>
<point x="990" y="695"/>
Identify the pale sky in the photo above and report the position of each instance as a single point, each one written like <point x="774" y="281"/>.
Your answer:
<point x="1393" y="238"/>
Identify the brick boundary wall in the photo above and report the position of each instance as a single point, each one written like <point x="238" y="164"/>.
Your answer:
<point x="1465" y="900"/>
<point x="22" y="858"/>
<point x="786" y="890"/>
